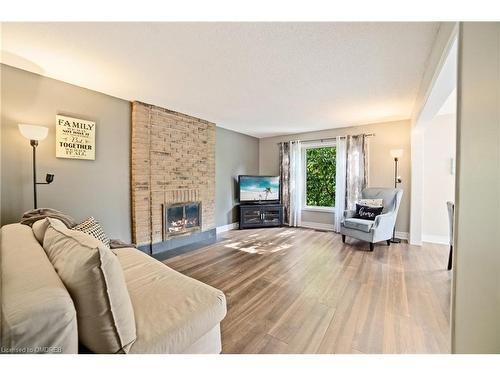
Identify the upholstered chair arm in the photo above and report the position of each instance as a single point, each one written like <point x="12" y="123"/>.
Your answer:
<point x="348" y="214"/>
<point x="384" y="221"/>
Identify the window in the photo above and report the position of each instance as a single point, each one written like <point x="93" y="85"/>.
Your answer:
<point x="319" y="168"/>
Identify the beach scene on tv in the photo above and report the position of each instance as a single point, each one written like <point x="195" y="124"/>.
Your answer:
<point x="259" y="188"/>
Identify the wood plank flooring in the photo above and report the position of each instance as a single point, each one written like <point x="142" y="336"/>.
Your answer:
<point x="296" y="290"/>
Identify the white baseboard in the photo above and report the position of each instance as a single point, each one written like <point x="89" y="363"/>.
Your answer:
<point x="329" y="227"/>
<point x="402" y="235"/>
<point x="228" y="227"/>
<point x="445" y="240"/>
<point x="320" y="226"/>
<point x="313" y="225"/>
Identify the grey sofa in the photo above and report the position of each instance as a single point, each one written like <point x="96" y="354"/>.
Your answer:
<point x="381" y="229"/>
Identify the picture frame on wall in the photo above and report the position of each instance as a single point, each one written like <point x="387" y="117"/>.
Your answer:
<point x="75" y="138"/>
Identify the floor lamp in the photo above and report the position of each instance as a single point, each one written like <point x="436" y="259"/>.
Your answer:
<point x="34" y="134"/>
<point x="396" y="154"/>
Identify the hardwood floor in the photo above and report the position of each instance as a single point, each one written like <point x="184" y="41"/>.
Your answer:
<point x="295" y="290"/>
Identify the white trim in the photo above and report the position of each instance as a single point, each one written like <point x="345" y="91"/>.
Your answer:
<point x="320" y="226"/>
<point x="445" y="240"/>
<point x="402" y="235"/>
<point x="304" y="146"/>
<point x="319" y="144"/>
<point x="226" y="228"/>
<point x="319" y="209"/>
<point x="417" y="186"/>
<point x="446" y="37"/>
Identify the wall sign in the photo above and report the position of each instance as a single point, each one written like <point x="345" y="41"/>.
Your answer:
<point x="75" y="138"/>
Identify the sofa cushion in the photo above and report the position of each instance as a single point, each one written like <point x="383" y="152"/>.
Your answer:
<point x="358" y="224"/>
<point x="95" y="281"/>
<point x="40" y="226"/>
<point x="172" y="311"/>
<point x="37" y="312"/>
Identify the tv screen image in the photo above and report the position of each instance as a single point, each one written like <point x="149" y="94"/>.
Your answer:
<point x="259" y="188"/>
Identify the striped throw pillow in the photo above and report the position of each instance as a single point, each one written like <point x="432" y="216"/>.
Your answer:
<point x="92" y="227"/>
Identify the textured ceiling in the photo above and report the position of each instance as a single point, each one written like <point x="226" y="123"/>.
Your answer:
<point x="261" y="79"/>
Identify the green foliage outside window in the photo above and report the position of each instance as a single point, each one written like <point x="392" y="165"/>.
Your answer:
<point x="320" y="176"/>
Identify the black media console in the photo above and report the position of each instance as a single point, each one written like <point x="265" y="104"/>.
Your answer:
<point x="261" y="215"/>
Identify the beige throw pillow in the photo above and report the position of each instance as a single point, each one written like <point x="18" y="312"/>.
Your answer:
<point x="40" y="226"/>
<point x="371" y="202"/>
<point x="94" y="278"/>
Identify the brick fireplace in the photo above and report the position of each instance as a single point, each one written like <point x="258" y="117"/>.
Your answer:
<point x="172" y="175"/>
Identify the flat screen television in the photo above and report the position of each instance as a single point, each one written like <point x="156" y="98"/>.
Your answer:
<point x="259" y="188"/>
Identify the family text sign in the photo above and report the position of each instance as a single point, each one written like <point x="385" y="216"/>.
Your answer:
<point x="75" y="138"/>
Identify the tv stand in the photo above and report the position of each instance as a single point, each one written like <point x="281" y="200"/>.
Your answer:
<point x="261" y="215"/>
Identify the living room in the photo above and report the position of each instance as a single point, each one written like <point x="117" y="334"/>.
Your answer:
<point x="249" y="188"/>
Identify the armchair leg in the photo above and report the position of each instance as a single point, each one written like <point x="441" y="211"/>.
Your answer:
<point x="450" y="258"/>
<point x="371" y="246"/>
<point x="388" y="242"/>
<point x="343" y="238"/>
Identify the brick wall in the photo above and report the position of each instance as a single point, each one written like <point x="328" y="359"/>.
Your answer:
<point x="173" y="161"/>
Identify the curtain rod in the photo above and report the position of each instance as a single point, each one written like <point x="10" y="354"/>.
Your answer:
<point x="332" y="138"/>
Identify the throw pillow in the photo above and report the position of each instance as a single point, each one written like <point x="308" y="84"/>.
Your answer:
<point x="91" y="226"/>
<point x="40" y="226"/>
<point x="367" y="213"/>
<point x="94" y="279"/>
<point x="371" y="202"/>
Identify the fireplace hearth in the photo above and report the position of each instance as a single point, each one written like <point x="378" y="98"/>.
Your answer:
<point x="181" y="218"/>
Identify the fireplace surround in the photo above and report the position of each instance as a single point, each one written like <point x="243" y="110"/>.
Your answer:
<point x="172" y="166"/>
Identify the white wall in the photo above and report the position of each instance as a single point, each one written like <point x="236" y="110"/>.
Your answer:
<point x="439" y="182"/>
<point x="436" y="60"/>
<point x="0" y="129"/>
<point x="442" y="85"/>
<point x="476" y="284"/>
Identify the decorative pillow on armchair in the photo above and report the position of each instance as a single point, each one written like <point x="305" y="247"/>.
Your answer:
<point x="366" y="212"/>
<point x="371" y="202"/>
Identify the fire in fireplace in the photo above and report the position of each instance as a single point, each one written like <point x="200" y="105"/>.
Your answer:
<point x="182" y="218"/>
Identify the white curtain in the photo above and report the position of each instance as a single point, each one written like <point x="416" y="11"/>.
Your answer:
<point x="296" y="183"/>
<point x="340" y="181"/>
<point x="356" y="169"/>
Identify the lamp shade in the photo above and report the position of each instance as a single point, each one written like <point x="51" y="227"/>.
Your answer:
<point x="33" y="132"/>
<point x="397" y="153"/>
